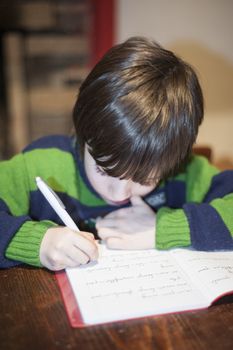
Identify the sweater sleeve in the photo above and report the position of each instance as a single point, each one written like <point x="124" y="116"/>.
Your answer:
<point x="205" y="221"/>
<point x="20" y="236"/>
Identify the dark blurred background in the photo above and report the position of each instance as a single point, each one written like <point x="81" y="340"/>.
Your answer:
<point x="47" y="47"/>
<point x="46" y="50"/>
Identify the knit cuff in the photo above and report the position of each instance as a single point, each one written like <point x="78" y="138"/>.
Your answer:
<point x="25" y="245"/>
<point x="172" y="229"/>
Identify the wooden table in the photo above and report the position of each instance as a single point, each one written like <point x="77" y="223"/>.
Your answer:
<point x="32" y="316"/>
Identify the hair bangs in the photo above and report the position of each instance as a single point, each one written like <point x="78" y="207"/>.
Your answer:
<point x="134" y="160"/>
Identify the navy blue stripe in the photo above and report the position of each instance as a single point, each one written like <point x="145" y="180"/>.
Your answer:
<point x="178" y="188"/>
<point x="67" y="144"/>
<point x="40" y="209"/>
<point x="222" y="184"/>
<point x="53" y="141"/>
<point x="9" y="225"/>
<point x="207" y="229"/>
<point x="4" y="207"/>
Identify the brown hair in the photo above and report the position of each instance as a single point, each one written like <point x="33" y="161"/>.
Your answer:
<point x="139" y="111"/>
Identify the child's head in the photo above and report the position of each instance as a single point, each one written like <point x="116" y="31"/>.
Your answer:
<point x="138" y="111"/>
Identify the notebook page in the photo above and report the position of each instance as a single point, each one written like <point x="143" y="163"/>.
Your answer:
<point x="128" y="284"/>
<point x="211" y="271"/>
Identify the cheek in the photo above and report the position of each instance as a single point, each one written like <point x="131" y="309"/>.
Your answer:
<point x="97" y="178"/>
<point x="99" y="182"/>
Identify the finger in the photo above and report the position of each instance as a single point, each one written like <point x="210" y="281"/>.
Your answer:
<point x="106" y="232"/>
<point x="116" y="214"/>
<point x="75" y="257"/>
<point x="87" y="235"/>
<point x="56" y="267"/>
<point x="55" y="264"/>
<point x="116" y="243"/>
<point x="125" y="242"/>
<point x="88" y="247"/>
<point x="72" y="263"/>
<point x="106" y="223"/>
<point x="136" y="200"/>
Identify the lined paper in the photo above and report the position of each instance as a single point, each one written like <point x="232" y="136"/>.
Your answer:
<point x="127" y="284"/>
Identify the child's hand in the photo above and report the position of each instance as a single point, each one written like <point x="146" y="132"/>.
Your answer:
<point x="61" y="247"/>
<point x="129" y="228"/>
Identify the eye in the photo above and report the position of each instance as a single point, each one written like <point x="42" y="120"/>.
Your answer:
<point x="99" y="170"/>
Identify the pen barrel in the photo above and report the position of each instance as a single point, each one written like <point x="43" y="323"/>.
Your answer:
<point x="68" y="221"/>
<point x="56" y="204"/>
<point x="63" y="215"/>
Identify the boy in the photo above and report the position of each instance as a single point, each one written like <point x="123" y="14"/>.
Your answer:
<point x="136" y="120"/>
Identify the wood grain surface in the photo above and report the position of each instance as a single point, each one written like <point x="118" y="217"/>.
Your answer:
<point x="32" y="316"/>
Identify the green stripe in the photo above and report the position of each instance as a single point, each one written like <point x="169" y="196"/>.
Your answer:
<point x="198" y="178"/>
<point x="59" y="170"/>
<point x="14" y="189"/>
<point x="172" y="229"/>
<point x="224" y="207"/>
<point x="55" y="167"/>
<point x="25" y="245"/>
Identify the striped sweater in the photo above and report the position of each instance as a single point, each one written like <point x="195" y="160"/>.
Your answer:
<point x="193" y="209"/>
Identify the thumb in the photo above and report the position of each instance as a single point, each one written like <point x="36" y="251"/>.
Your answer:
<point x="137" y="201"/>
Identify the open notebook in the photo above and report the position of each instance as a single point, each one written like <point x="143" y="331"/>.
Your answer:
<point x="131" y="284"/>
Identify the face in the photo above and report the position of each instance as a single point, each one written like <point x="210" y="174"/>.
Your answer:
<point x="113" y="190"/>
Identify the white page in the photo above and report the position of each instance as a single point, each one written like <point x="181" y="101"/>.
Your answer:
<point x="211" y="271"/>
<point x="128" y="284"/>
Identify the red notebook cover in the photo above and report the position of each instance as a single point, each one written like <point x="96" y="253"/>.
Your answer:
<point x="71" y="305"/>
